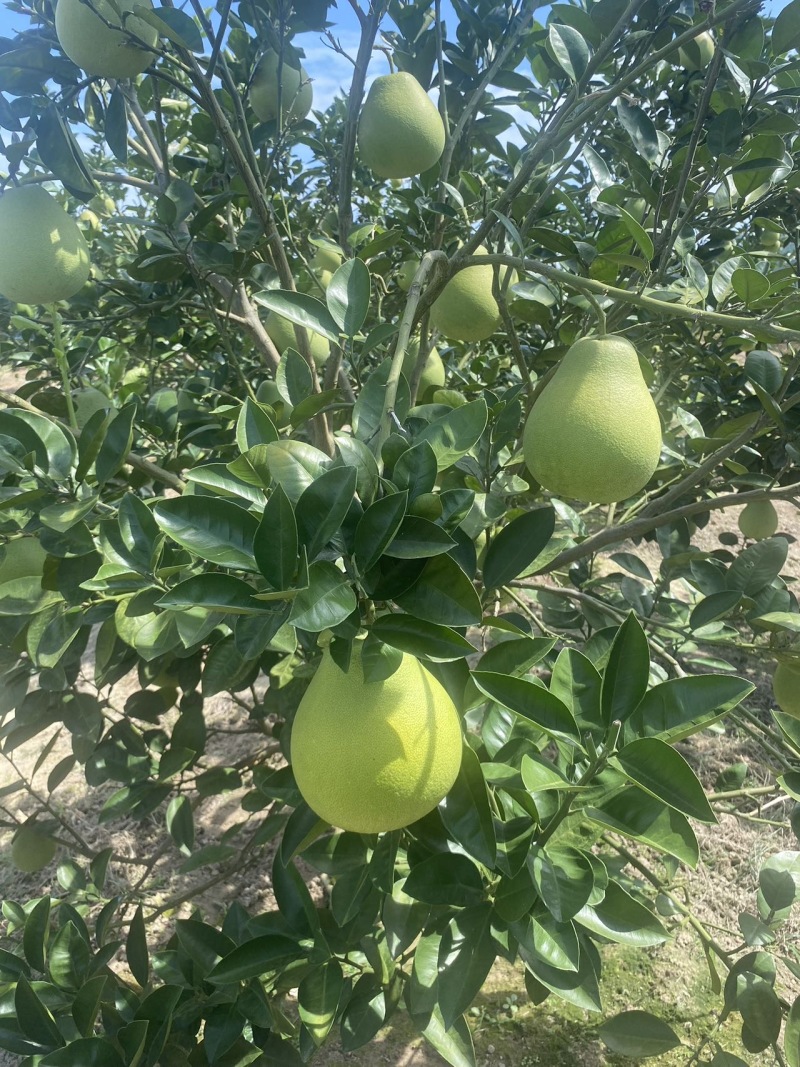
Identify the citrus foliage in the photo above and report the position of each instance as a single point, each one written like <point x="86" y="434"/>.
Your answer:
<point x="243" y="492"/>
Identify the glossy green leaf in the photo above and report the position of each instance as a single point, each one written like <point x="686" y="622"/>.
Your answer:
<point x="681" y="706"/>
<point x="322" y="507"/>
<point x="35" y="1020"/>
<point x="619" y="917"/>
<point x="215" y="592"/>
<point x="532" y="701"/>
<point x="466" y="954"/>
<point x="318" y="998"/>
<point x="453" y="435"/>
<point x="758" y="565"/>
<point x="255" y="957"/>
<point x="638" y="1034"/>
<point x="425" y="640"/>
<point x="301" y="309"/>
<point x="627" y="672"/>
<point x="377" y="528"/>
<point x="664" y="773"/>
<point x="466" y="812"/>
<point x="563" y="878"/>
<point x="275" y="544"/>
<point x="517" y="545"/>
<point x="446" y="878"/>
<point x="327" y="600"/>
<point x="215" y="530"/>
<point x="254" y="426"/>
<point x="643" y="817"/>
<point x="347" y="296"/>
<point x="443" y="594"/>
<point x="418" y="538"/>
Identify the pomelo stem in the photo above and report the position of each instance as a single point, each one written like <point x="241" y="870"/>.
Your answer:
<point x="63" y="365"/>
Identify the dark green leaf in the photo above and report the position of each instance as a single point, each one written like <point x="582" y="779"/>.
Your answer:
<point x="216" y="530"/>
<point x="377" y="527"/>
<point x="532" y="701"/>
<point x="327" y="600"/>
<point x="322" y="507"/>
<point x="347" y="296"/>
<point x="466" y="812"/>
<point x="517" y="546"/>
<point x="256" y="957"/>
<point x="446" y="878"/>
<point x="664" y="773"/>
<point x="643" y="817"/>
<point x="425" y="640"/>
<point x="638" y="1034"/>
<point x="443" y="594"/>
<point x="275" y="543"/>
<point x="627" y="672"/>
<point x="681" y="706"/>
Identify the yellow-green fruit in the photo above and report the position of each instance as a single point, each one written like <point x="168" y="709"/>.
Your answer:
<point x="87" y="401"/>
<point x="22" y="558"/>
<point x="296" y="94"/>
<point x="758" y="520"/>
<point x="326" y="258"/>
<point x="770" y="239"/>
<point x="433" y="373"/>
<point x="594" y="433"/>
<point x="786" y="687"/>
<point x="93" y="37"/>
<point x="405" y="275"/>
<point x="374" y="756"/>
<point x="44" y="257"/>
<point x="282" y="333"/>
<point x="135" y="380"/>
<point x="465" y="310"/>
<point x="31" y="850"/>
<point x="698" y="53"/>
<point x="267" y="393"/>
<point x="400" y="132"/>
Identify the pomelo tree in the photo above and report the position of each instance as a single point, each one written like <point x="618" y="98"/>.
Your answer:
<point x="239" y="508"/>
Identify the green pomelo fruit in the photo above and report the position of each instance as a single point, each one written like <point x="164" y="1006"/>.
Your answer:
<point x="282" y="333"/>
<point x="400" y="132"/>
<point x="433" y="373"/>
<point x="697" y="54"/>
<point x="786" y="687"/>
<point x="770" y="239"/>
<point x="465" y="310"/>
<point x="452" y="397"/>
<point x="594" y="434"/>
<point x="267" y="393"/>
<point x="44" y="256"/>
<point x="374" y="756"/>
<point x="21" y="558"/>
<point x="405" y="274"/>
<point x="296" y="94"/>
<point x="327" y="257"/>
<point x="758" y="520"/>
<point x="93" y="37"/>
<point x="32" y="850"/>
<point x="87" y="401"/>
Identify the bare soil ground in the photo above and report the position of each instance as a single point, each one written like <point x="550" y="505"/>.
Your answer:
<point x="508" y="1030"/>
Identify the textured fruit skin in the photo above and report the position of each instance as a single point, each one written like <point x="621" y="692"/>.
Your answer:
<point x="101" y="49"/>
<point x="432" y="375"/>
<point x="282" y="333"/>
<point x="758" y="520"/>
<point x="465" y="310"/>
<point x="374" y="756"/>
<point x="326" y="258"/>
<point x="400" y="132"/>
<point x="31" y="850"/>
<point x="296" y="92"/>
<point x="786" y="687"/>
<point x="44" y="256"/>
<point x="594" y="433"/>
<point x="23" y="558"/>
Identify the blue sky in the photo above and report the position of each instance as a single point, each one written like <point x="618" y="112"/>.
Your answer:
<point x="328" y="70"/>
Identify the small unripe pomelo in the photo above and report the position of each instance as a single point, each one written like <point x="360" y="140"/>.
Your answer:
<point x="698" y="53"/>
<point x="282" y="333"/>
<point x="32" y="850"/>
<point x="21" y="558"/>
<point x="466" y="310"/>
<point x="267" y="393"/>
<point x="327" y="257"/>
<point x="93" y="37"/>
<point x="44" y="256"/>
<point x="758" y="520"/>
<point x="433" y="373"/>
<point x="400" y="132"/>
<point x="786" y="687"/>
<point x="296" y="94"/>
<point x="405" y="275"/>
<point x="594" y="433"/>
<point x="374" y="756"/>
